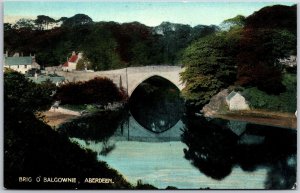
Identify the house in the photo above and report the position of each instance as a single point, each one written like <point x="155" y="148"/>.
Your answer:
<point x="236" y="101"/>
<point x="71" y="63"/>
<point x="20" y="63"/>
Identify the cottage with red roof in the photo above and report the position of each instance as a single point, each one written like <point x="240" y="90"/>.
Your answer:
<point x="71" y="63"/>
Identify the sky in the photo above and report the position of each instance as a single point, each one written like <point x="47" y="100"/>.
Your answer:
<point x="148" y="13"/>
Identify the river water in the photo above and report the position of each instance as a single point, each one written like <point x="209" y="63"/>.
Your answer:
<point x="195" y="153"/>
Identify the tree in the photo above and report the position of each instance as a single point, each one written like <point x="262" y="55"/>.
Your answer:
<point x="24" y="24"/>
<point x="100" y="48"/>
<point x="78" y="19"/>
<point x="83" y="63"/>
<point x="7" y="26"/>
<point x="24" y="96"/>
<point x="268" y="35"/>
<point x="274" y="17"/>
<point x="209" y="66"/>
<point x="237" y="21"/>
<point x="43" y="21"/>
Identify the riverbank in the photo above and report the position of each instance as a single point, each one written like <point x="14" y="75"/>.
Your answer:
<point x="279" y="119"/>
<point x="217" y="108"/>
<point x="55" y="118"/>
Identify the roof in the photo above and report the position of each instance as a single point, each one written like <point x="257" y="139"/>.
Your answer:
<point x="231" y="95"/>
<point x="66" y="64"/>
<point x="72" y="59"/>
<point x="27" y="60"/>
<point x="43" y="78"/>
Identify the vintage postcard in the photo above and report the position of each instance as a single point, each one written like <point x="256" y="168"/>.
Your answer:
<point x="150" y="95"/>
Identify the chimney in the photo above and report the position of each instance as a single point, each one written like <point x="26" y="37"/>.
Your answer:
<point x="6" y="53"/>
<point x="73" y="53"/>
<point x="79" y="55"/>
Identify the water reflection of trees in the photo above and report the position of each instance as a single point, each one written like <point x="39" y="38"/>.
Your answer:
<point x="215" y="150"/>
<point x="98" y="127"/>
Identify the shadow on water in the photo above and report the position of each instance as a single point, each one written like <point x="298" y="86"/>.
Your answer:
<point x="98" y="127"/>
<point x="215" y="149"/>
<point x="156" y="104"/>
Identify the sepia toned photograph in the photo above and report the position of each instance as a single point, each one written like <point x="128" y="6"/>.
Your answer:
<point x="149" y="95"/>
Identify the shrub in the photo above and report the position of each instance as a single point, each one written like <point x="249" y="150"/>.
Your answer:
<point x="98" y="90"/>
<point x="284" y="102"/>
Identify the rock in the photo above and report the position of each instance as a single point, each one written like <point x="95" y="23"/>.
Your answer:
<point x="216" y="103"/>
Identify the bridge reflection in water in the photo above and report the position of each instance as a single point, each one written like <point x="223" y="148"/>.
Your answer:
<point x="133" y="131"/>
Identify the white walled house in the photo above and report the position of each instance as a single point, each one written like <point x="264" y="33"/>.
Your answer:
<point x="236" y="102"/>
<point x="71" y="63"/>
<point x="20" y="63"/>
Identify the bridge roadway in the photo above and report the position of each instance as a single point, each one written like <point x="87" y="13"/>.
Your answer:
<point x="129" y="78"/>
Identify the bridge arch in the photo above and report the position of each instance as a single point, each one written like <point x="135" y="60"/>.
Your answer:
<point x="132" y="87"/>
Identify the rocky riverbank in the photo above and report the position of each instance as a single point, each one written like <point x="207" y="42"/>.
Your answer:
<point x="217" y="108"/>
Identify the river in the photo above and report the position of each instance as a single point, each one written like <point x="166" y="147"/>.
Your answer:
<point x="245" y="156"/>
<point x="154" y="142"/>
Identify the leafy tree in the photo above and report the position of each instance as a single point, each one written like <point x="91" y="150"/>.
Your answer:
<point x="200" y="31"/>
<point x="274" y="17"/>
<point x="24" y="96"/>
<point x="7" y="26"/>
<point x="209" y="66"/>
<point x="83" y="64"/>
<point x="43" y="21"/>
<point x="237" y="21"/>
<point x="24" y="24"/>
<point x="101" y="49"/>
<point x="268" y="35"/>
<point x="78" y="19"/>
<point x="62" y="19"/>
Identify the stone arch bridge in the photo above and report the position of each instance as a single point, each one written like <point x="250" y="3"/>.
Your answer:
<point x="129" y="78"/>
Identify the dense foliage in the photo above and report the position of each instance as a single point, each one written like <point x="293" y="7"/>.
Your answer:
<point x="106" y="45"/>
<point x="98" y="90"/>
<point x="209" y="66"/>
<point x="24" y="96"/>
<point x="268" y="35"/>
<point x="286" y="101"/>
<point x="247" y="53"/>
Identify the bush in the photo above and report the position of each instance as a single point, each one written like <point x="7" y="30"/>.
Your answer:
<point x="98" y="90"/>
<point x="284" y="102"/>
